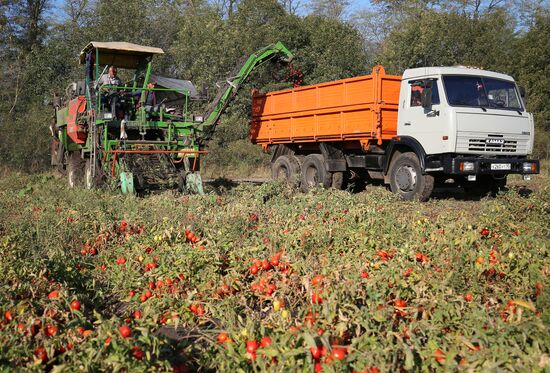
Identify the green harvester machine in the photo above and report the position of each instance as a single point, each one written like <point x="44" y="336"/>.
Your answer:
<point x="139" y="135"/>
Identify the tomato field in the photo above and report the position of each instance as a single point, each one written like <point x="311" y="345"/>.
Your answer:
<point x="260" y="278"/>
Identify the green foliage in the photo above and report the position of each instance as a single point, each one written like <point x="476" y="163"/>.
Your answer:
<point x="204" y="41"/>
<point x="370" y="248"/>
<point x="531" y="67"/>
<point x="435" y="38"/>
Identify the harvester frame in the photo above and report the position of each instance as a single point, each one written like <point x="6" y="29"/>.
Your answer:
<point x="110" y="134"/>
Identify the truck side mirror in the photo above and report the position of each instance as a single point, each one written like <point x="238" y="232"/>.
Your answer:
<point x="522" y="92"/>
<point x="427" y="96"/>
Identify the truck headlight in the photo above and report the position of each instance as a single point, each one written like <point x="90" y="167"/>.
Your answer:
<point x="466" y="166"/>
<point x="530" y="167"/>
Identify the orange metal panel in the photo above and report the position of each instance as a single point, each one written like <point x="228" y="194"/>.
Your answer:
<point x="360" y="108"/>
<point x="76" y="132"/>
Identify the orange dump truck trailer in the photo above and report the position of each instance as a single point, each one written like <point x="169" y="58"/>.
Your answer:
<point x="360" y="111"/>
<point x="400" y="129"/>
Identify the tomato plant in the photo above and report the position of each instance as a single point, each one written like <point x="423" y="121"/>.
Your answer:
<point x="244" y="280"/>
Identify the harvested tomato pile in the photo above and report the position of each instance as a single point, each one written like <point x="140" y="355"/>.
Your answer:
<point x="266" y="278"/>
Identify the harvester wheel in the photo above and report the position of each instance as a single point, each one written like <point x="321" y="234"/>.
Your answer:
<point x="286" y="168"/>
<point x="314" y="173"/>
<point x="75" y="169"/>
<point x="407" y="180"/>
<point x="91" y="182"/>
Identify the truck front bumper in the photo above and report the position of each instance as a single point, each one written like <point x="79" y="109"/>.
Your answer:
<point x="491" y="166"/>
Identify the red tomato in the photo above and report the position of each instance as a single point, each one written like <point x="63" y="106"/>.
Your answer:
<point x="293" y="329"/>
<point x="53" y="295"/>
<point x="148" y="294"/>
<point x="75" y="305"/>
<point x="316" y="299"/>
<point x="51" y="330"/>
<point x="41" y="354"/>
<point x="364" y="274"/>
<point x="316" y="280"/>
<point x="125" y="331"/>
<point x="223" y="337"/>
<point x="468" y="297"/>
<point x="8" y="316"/>
<point x="484" y="232"/>
<point x="270" y="288"/>
<point x="254" y="269"/>
<point x="131" y="293"/>
<point x="265" y="265"/>
<point x="318" y="366"/>
<point x="439" y="356"/>
<point x="265" y="342"/>
<point x="251" y="346"/>
<point x="400" y="303"/>
<point x="315" y="352"/>
<point x="120" y="261"/>
<point x="275" y="260"/>
<point x="137" y="314"/>
<point x="137" y="353"/>
<point x="339" y="353"/>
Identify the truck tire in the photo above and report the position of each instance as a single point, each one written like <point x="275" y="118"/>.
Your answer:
<point x="406" y="178"/>
<point x="314" y="173"/>
<point x="75" y="170"/>
<point x="286" y="168"/>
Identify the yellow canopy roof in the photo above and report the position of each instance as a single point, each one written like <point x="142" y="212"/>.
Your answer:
<point x="119" y="53"/>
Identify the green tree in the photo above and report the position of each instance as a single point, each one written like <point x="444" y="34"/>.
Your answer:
<point x="531" y="67"/>
<point x="435" y="38"/>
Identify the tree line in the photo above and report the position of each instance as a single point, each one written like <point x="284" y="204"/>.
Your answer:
<point x="204" y="40"/>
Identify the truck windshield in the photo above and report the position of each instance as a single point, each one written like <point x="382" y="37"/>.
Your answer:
<point x="481" y="92"/>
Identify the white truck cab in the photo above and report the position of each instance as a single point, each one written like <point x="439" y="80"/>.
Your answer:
<point x="466" y="123"/>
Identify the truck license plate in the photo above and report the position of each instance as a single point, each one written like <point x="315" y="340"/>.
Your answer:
<point x="501" y="166"/>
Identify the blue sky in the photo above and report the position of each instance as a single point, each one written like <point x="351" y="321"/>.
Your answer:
<point x="354" y="6"/>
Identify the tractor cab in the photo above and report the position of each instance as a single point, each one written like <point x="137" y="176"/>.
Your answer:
<point x="119" y="84"/>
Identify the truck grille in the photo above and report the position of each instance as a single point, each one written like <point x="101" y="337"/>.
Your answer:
<point x="480" y="145"/>
<point x="476" y="143"/>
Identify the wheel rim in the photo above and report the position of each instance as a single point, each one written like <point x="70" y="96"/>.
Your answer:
<point x="405" y="178"/>
<point x="71" y="178"/>
<point x="282" y="173"/>
<point x="88" y="177"/>
<point x="312" y="176"/>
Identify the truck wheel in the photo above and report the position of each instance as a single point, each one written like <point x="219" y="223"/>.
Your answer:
<point x="75" y="169"/>
<point x="286" y="168"/>
<point x="406" y="178"/>
<point x="314" y="173"/>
